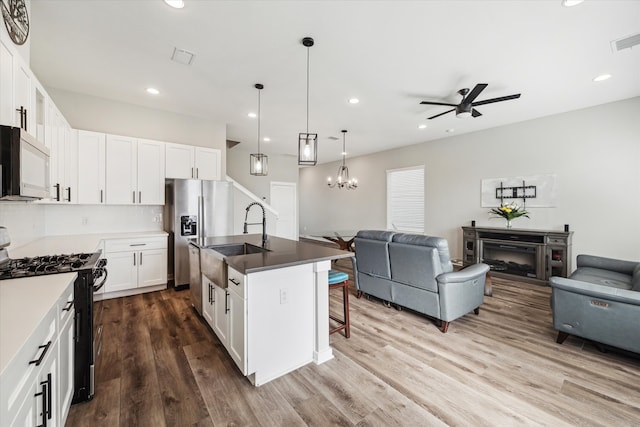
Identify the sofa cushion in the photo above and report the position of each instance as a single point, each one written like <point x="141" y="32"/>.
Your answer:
<point x="635" y="280"/>
<point x="602" y="277"/>
<point x="440" y="244"/>
<point x="415" y="265"/>
<point x="372" y="252"/>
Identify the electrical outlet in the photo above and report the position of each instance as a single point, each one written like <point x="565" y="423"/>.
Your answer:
<point x="284" y="296"/>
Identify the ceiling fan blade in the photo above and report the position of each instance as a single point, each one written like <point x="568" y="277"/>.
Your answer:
<point x="442" y="114"/>
<point x="438" y="103"/>
<point x="475" y="92"/>
<point x="492" y="100"/>
<point x="475" y="113"/>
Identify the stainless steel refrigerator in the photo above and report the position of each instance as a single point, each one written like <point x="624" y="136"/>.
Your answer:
<point x="194" y="209"/>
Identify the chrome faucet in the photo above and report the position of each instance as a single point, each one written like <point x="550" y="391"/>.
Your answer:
<point x="264" y="222"/>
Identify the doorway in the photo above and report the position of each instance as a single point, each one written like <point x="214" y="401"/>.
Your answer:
<point x="284" y="200"/>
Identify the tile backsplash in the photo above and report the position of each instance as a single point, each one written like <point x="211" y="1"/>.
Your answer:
<point x="30" y="221"/>
<point x="24" y="220"/>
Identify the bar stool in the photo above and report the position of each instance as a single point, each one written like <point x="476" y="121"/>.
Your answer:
<point x="340" y="280"/>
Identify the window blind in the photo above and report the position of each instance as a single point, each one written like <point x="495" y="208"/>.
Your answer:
<point x="405" y="199"/>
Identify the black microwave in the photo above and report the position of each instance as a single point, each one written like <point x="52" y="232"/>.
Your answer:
<point x="24" y="165"/>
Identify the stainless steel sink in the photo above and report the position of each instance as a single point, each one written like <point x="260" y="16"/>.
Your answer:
<point x="238" y="249"/>
<point x="213" y="264"/>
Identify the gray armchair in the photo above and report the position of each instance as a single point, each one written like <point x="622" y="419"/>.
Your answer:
<point x="600" y="301"/>
<point x="415" y="271"/>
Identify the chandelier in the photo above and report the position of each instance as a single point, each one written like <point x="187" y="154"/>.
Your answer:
<point x="343" y="180"/>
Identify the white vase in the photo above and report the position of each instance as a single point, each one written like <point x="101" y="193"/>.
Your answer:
<point x="509" y="225"/>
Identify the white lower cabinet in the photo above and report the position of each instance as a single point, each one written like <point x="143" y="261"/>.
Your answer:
<point x="37" y="386"/>
<point x="225" y="310"/>
<point x="208" y="308"/>
<point x="135" y="263"/>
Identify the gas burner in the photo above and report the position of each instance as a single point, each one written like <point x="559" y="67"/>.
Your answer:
<point x="47" y="264"/>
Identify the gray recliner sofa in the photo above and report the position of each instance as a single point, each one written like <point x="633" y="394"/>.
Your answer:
<point x="415" y="271"/>
<point x="600" y="301"/>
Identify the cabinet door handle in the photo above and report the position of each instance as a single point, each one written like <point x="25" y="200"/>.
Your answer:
<point x="197" y="173"/>
<point x="134" y="258"/>
<point x="69" y="194"/>
<point x="226" y="301"/>
<point x="139" y="196"/>
<point x="192" y="176"/>
<point x="234" y="281"/>
<point x="101" y="194"/>
<point x="46" y="400"/>
<point x="57" y="192"/>
<point x="138" y="244"/>
<point x="38" y="361"/>
<point x="134" y="196"/>
<point x="68" y="306"/>
<point x="140" y="258"/>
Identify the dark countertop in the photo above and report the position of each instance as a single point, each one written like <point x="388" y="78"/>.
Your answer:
<point x="282" y="252"/>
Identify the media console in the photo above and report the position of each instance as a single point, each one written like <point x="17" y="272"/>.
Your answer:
<point x="530" y="255"/>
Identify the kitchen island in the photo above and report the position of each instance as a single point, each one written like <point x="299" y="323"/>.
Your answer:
<point x="272" y="315"/>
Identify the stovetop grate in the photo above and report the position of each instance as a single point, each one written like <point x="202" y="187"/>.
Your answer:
<point x="47" y="264"/>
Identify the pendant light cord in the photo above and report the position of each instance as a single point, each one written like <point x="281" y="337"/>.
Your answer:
<point x="259" y="116"/>
<point x="307" y="90"/>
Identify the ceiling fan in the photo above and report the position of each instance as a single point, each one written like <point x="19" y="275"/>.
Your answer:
<point x="465" y="107"/>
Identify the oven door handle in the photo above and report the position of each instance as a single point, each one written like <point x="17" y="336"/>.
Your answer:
<point x="96" y="288"/>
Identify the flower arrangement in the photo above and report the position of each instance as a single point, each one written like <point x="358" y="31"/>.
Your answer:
<point x="509" y="211"/>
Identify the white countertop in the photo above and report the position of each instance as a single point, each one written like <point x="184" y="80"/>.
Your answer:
<point x="53" y="245"/>
<point x="23" y="305"/>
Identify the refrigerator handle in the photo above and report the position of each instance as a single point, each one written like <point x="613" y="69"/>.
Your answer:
<point x="201" y="230"/>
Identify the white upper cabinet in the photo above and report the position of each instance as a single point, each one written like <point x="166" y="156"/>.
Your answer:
<point x="187" y="161"/>
<point x="121" y="170"/>
<point x="207" y="163"/>
<point x="16" y="90"/>
<point x="151" y="164"/>
<point x="63" y="148"/>
<point x="91" y="167"/>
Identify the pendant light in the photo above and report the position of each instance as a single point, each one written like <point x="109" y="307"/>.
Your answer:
<point x="343" y="181"/>
<point x="258" y="163"/>
<point x="307" y="142"/>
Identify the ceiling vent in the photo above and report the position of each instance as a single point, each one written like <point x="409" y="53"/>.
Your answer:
<point x="182" y="56"/>
<point x="625" y="43"/>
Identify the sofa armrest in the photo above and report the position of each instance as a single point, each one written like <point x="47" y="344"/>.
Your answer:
<point x="594" y="290"/>
<point x="611" y="264"/>
<point x="469" y="273"/>
<point x="354" y="263"/>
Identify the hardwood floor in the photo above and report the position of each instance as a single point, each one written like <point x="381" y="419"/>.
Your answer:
<point x="161" y="365"/>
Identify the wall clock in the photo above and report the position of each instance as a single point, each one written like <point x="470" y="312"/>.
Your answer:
<point x="16" y="20"/>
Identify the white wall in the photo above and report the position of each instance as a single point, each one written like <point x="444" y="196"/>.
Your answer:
<point x="594" y="152"/>
<point x="282" y="168"/>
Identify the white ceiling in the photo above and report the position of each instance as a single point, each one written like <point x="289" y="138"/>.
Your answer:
<point x="389" y="54"/>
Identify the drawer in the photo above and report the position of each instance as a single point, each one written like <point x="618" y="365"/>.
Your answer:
<point x="236" y="282"/>
<point x="137" y="244"/>
<point x="19" y="376"/>
<point x="551" y="240"/>
<point x="65" y="305"/>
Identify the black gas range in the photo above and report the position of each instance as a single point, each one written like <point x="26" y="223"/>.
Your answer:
<point x="91" y="276"/>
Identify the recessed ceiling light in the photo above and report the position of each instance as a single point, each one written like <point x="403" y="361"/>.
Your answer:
<point x="353" y="100"/>
<point x="450" y="130"/>
<point x="569" y="3"/>
<point x="602" y="77"/>
<point x="177" y="4"/>
<point x="422" y="126"/>
<point x="266" y="139"/>
<point x="252" y="115"/>
<point x="153" y="91"/>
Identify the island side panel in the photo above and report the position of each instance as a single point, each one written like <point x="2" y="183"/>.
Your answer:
<point x="321" y="351"/>
<point x="280" y="321"/>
